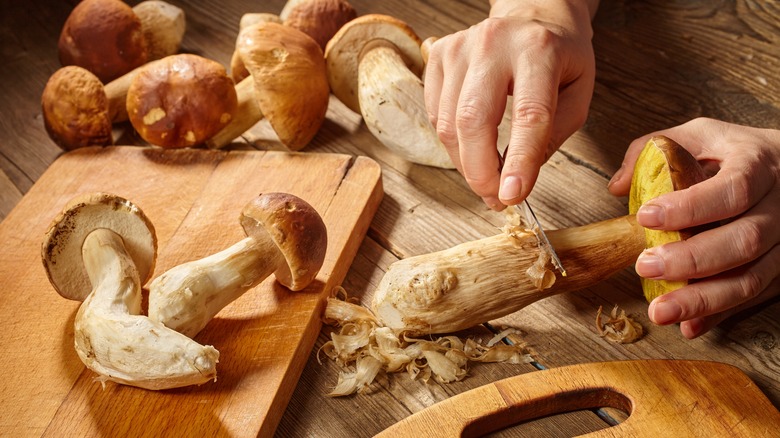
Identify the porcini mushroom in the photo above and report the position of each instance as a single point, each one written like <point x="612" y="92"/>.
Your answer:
<point x="288" y="85"/>
<point x="320" y="19"/>
<point x="181" y="100"/>
<point x="285" y="236"/>
<point x="374" y="68"/>
<point x="665" y="167"/>
<point x="78" y="110"/>
<point x="109" y="38"/>
<point x="238" y="70"/>
<point x="101" y="248"/>
<point x="482" y="280"/>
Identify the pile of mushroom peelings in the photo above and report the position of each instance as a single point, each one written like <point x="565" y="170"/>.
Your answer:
<point x="364" y="343"/>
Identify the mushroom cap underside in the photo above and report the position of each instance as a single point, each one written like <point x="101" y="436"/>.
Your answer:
<point x="61" y="249"/>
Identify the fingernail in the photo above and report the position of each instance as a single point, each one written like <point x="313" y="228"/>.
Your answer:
<point x="616" y="177"/>
<point x="493" y="203"/>
<point x="664" y="312"/>
<point x="650" y="215"/>
<point x="649" y="265"/>
<point x="510" y="189"/>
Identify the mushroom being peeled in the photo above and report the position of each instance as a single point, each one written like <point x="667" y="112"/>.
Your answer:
<point x="100" y="249"/>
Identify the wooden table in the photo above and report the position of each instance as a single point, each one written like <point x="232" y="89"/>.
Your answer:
<point x="658" y="65"/>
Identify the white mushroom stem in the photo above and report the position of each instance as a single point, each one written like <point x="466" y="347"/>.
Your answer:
<point x="188" y="296"/>
<point x="247" y="115"/>
<point x="116" y="94"/>
<point x="393" y="107"/>
<point x="482" y="280"/>
<point x="113" y="339"/>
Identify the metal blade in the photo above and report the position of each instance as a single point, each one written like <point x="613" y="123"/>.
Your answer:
<point x="527" y="213"/>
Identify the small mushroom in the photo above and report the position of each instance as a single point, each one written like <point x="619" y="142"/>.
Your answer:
<point x="238" y="70"/>
<point x="288" y="85"/>
<point x="78" y="110"/>
<point x="100" y="249"/>
<point x="320" y="19"/>
<point x="374" y="66"/>
<point x="285" y="236"/>
<point x="109" y="38"/>
<point x="163" y="26"/>
<point x="181" y="100"/>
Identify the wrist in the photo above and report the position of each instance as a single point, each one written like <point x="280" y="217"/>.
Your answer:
<point x="571" y="14"/>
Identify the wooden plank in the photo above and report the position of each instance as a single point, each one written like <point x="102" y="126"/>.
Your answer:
<point x="193" y="197"/>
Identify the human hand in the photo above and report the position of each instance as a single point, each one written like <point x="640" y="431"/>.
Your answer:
<point x="543" y="56"/>
<point x="735" y="265"/>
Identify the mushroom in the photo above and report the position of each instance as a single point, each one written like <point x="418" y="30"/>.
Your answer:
<point x="485" y="279"/>
<point x="109" y="38"/>
<point x="180" y="100"/>
<point x="288" y="85"/>
<point x="320" y="19"/>
<point x="100" y="249"/>
<point x="663" y="166"/>
<point x="374" y="67"/>
<point x="238" y="70"/>
<point x="163" y="26"/>
<point x="285" y="236"/>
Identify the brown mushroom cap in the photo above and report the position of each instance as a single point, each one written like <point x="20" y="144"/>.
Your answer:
<point x="291" y="86"/>
<point x="237" y="69"/>
<point x="342" y="54"/>
<point x="181" y="100"/>
<point x="76" y="109"/>
<point x="298" y="231"/>
<point x="104" y="37"/>
<point x="61" y="249"/>
<point x="320" y="19"/>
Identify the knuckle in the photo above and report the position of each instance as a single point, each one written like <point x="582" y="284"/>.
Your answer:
<point x="446" y="132"/>
<point x="749" y="239"/>
<point x="750" y="285"/>
<point x="527" y="111"/>
<point x="739" y="193"/>
<point x="470" y="116"/>
<point x="696" y="304"/>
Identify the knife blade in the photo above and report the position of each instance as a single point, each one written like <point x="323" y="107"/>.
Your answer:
<point x="528" y="215"/>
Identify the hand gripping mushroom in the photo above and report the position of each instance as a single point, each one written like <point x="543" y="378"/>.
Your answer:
<point x="181" y="100"/>
<point x="285" y="236"/>
<point x="100" y="249"/>
<point x="109" y="38"/>
<point x="374" y="67"/>
<point x="485" y="279"/>
<point x="288" y="85"/>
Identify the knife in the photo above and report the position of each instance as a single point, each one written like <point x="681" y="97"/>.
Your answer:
<point x="527" y="214"/>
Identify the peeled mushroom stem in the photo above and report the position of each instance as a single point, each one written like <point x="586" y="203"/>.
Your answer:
<point x="99" y="250"/>
<point x="479" y="281"/>
<point x="114" y="340"/>
<point x="286" y="236"/>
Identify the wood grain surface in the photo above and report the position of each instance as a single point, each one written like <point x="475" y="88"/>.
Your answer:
<point x="658" y="64"/>
<point x="193" y="198"/>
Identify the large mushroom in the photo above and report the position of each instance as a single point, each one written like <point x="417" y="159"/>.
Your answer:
<point x="288" y="85"/>
<point x="374" y="68"/>
<point x="109" y="38"/>
<point x="285" y="236"/>
<point x="181" y="100"/>
<point x="100" y="249"/>
<point x="473" y="282"/>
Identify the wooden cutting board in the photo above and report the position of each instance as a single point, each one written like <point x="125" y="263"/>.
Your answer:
<point x="194" y="198"/>
<point x="675" y="398"/>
